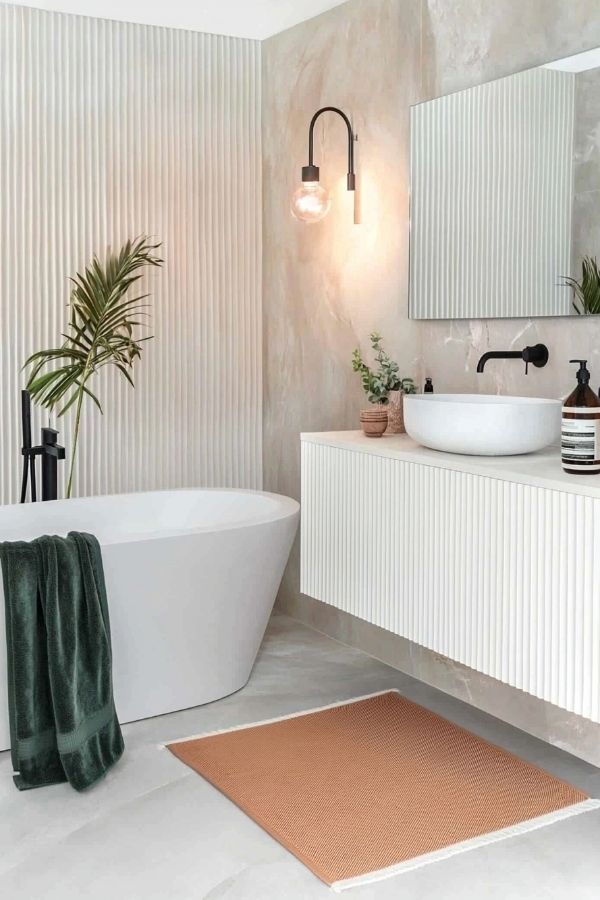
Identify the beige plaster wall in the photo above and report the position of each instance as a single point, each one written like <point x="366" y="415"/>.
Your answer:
<point x="327" y="285"/>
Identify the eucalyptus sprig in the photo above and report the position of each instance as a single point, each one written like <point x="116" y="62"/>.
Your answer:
<point x="102" y="330"/>
<point x="407" y="386"/>
<point x="373" y="386"/>
<point x="378" y="383"/>
<point x="586" y="300"/>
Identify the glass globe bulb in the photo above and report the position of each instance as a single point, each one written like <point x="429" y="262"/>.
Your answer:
<point x="310" y="202"/>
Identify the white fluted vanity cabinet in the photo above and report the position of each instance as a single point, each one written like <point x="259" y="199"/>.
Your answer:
<point x="493" y="562"/>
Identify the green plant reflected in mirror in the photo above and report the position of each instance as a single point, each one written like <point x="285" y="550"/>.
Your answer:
<point x="586" y="292"/>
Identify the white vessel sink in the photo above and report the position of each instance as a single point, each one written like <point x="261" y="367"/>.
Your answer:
<point x="481" y="424"/>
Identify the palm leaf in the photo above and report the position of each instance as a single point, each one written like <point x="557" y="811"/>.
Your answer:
<point x="102" y="330"/>
<point x="586" y="299"/>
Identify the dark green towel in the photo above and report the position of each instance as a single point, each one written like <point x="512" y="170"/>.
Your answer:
<point x="62" y="715"/>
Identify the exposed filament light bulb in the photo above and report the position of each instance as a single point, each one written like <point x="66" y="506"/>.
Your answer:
<point x="311" y="202"/>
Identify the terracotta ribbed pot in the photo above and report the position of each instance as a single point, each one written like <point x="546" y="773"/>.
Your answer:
<point x="374" y="421"/>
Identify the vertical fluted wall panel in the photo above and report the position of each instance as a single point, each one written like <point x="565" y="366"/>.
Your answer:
<point x="491" y="199"/>
<point x="110" y="130"/>
<point x="500" y="576"/>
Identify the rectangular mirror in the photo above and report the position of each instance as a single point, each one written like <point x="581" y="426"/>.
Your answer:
<point x="505" y="196"/>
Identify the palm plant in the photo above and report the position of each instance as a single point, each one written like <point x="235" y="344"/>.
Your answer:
<point x="587" y="291"/>
<point x="101" y="332"/>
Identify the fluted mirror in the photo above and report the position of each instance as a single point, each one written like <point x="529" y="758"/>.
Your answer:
<point x="505" y="196"/>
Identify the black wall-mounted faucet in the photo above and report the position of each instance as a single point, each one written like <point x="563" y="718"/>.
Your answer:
<point x="536" y="355"/>
<point x="49" y="450"/>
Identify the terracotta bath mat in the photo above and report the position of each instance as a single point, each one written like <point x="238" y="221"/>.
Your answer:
<point x="371" y="787"/>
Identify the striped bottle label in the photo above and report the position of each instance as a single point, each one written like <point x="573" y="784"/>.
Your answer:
<point x="580" y="438"/>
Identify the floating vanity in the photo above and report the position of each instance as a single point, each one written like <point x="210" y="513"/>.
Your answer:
<point x="490" y="561"/>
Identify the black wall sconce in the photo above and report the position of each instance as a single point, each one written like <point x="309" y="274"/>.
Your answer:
<point x="311" y="202"/>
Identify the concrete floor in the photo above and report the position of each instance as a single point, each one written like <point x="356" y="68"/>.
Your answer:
<point x="154" y="829"/>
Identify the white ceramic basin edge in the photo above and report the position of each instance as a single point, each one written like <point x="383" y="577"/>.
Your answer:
<point x="482" y="424"/>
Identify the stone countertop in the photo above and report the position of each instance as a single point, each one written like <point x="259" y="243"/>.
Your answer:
<point x="541" y="469"/>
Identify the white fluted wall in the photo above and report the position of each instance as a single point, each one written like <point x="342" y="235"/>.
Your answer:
<point x="110" y="130"/>
<point x="492" y="182"/>
<point x="499" y="576"/>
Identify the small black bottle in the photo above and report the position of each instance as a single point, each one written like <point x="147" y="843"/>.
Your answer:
<point x="428" y="389"/>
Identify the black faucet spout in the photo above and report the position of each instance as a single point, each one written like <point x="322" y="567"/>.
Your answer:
<point x="497" y="354"/>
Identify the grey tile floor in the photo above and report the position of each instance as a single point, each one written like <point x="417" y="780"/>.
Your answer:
<point x="155" y="830"/>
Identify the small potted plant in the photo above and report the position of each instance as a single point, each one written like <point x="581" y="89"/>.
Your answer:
<point x="378" y="384"/>
<point x="397" y="387"/>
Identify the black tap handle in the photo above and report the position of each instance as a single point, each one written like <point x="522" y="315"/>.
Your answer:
<point x="537" y="355"/>
<point x="49" y="445"/>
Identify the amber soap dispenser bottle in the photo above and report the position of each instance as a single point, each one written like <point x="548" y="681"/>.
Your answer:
<point x="580" y="432"/>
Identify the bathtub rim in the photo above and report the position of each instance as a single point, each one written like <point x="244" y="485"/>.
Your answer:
<point x="285" y="508"/>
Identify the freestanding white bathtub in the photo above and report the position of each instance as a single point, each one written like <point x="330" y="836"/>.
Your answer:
<point x="191" y="577"/>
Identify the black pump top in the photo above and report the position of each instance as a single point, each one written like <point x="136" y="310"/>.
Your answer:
<point x="583" y="375"/>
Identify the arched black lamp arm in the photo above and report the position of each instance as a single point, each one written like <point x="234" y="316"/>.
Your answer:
<point x="311" y="172"/>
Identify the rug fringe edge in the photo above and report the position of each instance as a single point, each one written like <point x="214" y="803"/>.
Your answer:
<point x="294" y="715"/>
<point x="472" y="844"/>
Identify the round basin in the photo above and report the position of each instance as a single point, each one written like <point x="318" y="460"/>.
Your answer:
<point x="482" y="424"/>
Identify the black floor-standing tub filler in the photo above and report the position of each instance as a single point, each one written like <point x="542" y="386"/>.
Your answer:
<point x="50" y="452"/>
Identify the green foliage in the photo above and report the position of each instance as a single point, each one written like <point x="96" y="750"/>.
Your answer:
<point x="377" y="383"/>
<point x="586" y="292"/>
<point x="102" y="331"/>
<point x="407" y="386"/>
<point x="373" y="386"/>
